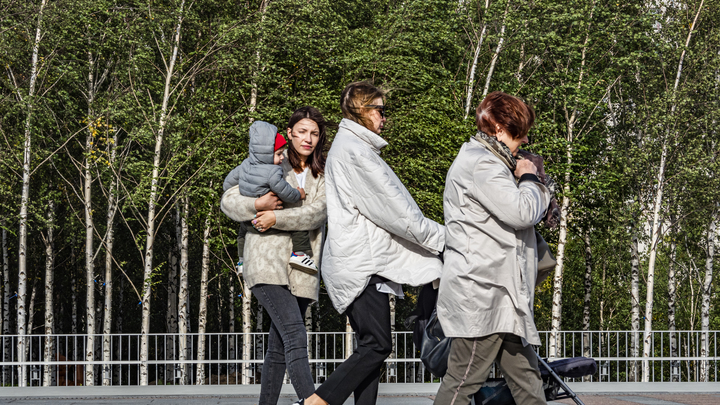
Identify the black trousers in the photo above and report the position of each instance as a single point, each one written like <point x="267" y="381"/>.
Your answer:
<point x="369" y="317"/>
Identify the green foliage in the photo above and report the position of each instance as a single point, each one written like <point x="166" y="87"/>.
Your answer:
<point x="599" y="75"/>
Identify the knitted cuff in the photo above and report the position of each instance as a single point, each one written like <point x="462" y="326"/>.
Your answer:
<point x="530" y="177"/>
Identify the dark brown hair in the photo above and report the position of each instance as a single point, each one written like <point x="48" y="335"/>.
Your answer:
<point x="316" y="160"/>
<point x="355" y="97"/>
<point x="509" y="112"/>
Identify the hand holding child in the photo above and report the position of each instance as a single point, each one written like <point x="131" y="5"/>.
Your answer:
<point x="302" y="193"/>
<point x="264" y="220"/>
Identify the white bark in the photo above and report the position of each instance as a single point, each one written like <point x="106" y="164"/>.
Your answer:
<point x="392" y="299"/>
<point x="31" y="316"/>
<point x="570" y="118"/>
<point x="256" y="71"/>
<point x="556" y="322"/>
<point x="706" y="297"/>
<point x="183" y="312"/>
<point x="202" y="313"/>
<point x="348" y="338"/>
<point x="656" y="229"/>
<point x="49" y="240"/>
<point x="6" y="300"/>
<point x="473" y="68"/>
<point x="259" y="353"/>
<point x="586" y="301"/>
<point x="672" y="296"/>
<point x="634" y="304"/>
<point x="109" y="241"/>
<point x="171" y="318"/>
<point x="25" y="196"/>
<point x="89" y="225"/>
<point x="3" y="321"/>
<point x="117" y="370"/>
<point x="247" y="330"/>
<point x="150" y="236"/>
<point x="6" y="286"/>
<point x="496" y="55"/>
<point x="231" y="329"/>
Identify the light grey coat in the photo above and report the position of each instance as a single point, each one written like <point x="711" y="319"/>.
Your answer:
<point x="257" y="175"/>
<point x="266" y="256"/>
<point x="488" y="279"/>
<point x="374" y="225"/>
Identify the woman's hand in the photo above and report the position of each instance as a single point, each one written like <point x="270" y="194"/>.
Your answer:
<point x="264" y="220"/>
<point x="268" y="202"/>
<point x="525" y="166"/>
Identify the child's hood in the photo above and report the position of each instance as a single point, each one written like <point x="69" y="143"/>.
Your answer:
<point x="262" y="143"/>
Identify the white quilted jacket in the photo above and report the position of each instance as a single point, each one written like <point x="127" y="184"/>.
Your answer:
<point x="374" y="225"/>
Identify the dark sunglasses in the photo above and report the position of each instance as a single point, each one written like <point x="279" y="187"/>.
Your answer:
<point x="380" y="108"/>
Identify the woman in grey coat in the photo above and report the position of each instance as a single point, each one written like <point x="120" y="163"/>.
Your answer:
<point x="285" y="292"/>
<point x="492" y="202"/>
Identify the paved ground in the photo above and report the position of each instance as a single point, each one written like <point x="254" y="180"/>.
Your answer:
<point x="588" y="399"/>
<point x="390" y="394"/>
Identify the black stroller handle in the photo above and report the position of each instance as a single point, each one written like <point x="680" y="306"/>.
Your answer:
<point x="570" y="393"/>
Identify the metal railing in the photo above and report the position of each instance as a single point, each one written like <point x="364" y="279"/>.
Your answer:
<point x="229" y="359"/>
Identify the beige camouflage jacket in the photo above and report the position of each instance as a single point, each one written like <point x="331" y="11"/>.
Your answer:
<point x="267" y="256"/>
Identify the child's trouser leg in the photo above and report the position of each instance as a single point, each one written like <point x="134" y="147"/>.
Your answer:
<point x="242" y="230"/>
<point x="301" y="242"/>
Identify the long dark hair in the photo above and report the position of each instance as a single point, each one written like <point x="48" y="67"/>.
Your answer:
<point x="316" y="160"/>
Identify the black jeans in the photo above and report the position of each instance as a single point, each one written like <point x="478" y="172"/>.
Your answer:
<point x="287" y="343"/>
<point x="369" y="317"/>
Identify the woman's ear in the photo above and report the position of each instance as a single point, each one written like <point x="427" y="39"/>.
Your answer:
<point x="289" y="132"/>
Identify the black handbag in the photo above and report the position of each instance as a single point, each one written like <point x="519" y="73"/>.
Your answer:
<point x="435" y="347"/>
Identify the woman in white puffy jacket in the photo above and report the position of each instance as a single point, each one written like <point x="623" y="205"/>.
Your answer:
<point x="378" y="239"/>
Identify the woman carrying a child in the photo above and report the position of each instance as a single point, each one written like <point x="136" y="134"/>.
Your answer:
<point x="280" y="198"/>
<point x="378" y="239"/>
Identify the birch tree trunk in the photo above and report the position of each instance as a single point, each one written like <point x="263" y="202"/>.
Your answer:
<point x="172" y="299"/>
<point x="656" y="228"/>
<point x="672" y="293"/>
<point x="496" y="55"/>
<point x="184" y="293"/>
<point x="150" y="237"/>
<point x="558" y="278"/>
<point x="392" y="372"/>
<point x="473" y="68"/>
<point x="6" y="300"/>
<point x="109" y="241"/>
<point x="259" y="353"/>
<point x="634" y="305"/>
<point x="202" y="313"/>
<point x="570" y="118"/>
<point x="25" y="196"/>
<point x="247" y="330"/>
<point x="48" y="370"/>
<point x="89" y="224"/>
<point x="3" y="319"/>
<point x="586" y="301"/>
<point x="706" y="296"/>
<point x="232" y="355"/>
<point x="117" y="370"/>
<point x="348" y="338"/>
<point x="256" y="71"/>
<point x="31" y="315"/>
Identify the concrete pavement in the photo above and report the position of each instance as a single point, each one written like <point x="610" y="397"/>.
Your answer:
<point x="390" y="394"/>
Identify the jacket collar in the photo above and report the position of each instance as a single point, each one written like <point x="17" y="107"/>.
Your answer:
<point x="375" y="141"/>
<point x="289" y="175"/>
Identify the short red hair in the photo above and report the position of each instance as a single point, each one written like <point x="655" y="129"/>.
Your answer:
<point x="508" y="112"/>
